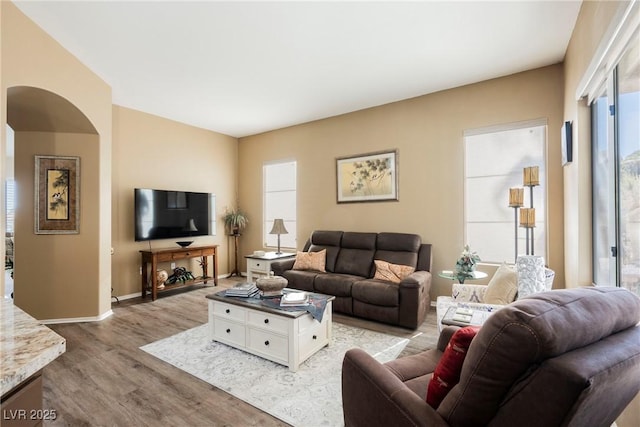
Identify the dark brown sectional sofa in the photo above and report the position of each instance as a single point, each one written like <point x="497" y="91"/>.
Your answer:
<point x="350" y="269"/>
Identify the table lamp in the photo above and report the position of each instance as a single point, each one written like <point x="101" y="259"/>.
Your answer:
<point x="278" y="228"/>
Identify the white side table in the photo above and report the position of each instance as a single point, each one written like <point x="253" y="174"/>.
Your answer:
<point x="258" y="266"/>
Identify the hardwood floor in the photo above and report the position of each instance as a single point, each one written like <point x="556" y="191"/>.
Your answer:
<point x="104" y="379"/>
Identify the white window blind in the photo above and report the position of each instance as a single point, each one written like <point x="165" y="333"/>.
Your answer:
<point x="494" y="162"/>
<point x="280" y="202"/>
<point x="10" y="204"/>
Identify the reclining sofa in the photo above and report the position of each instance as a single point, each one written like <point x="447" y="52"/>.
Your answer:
<point x="567" y="357"/>
<point x="350" y="271"/>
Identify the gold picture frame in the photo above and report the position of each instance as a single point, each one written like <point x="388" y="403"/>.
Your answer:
<point x="371" y="177"/>
<point x="57" y="195"/>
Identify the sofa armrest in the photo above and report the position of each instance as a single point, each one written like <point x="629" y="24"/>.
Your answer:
<point x="414" y="299"/>
<point x="372" y="395"/>
<point x="279" y="267"/>
<point x="416" y="279"/>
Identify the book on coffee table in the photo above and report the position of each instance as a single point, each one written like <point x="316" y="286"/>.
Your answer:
<point x="244" y="290"/>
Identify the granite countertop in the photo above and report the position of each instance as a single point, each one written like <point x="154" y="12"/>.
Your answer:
<point x="26" y="346"/>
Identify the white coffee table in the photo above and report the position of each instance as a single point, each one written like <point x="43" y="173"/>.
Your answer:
<point x="285" y="337"/>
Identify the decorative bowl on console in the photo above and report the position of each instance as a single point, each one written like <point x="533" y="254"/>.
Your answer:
<point x="185" y="243"/>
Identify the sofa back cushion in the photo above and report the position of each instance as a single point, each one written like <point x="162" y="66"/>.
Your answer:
<point x="329" y="240"/>
<point x="398" y="248"/>
<point x="356" y="254"/>
<point x="515" y="341"/>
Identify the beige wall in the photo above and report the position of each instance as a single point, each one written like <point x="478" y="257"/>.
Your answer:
<point x="67" y="286"/>
<point x="428" y="132"/>
<point x="30" y="57"/>
<point x="152" y="152"/>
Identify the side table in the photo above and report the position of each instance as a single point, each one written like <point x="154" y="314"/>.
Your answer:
<point x="260" y="265"/>
<point x="451" y="275"/>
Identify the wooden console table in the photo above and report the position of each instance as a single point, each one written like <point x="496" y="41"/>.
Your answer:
<point x="156" y="256"/>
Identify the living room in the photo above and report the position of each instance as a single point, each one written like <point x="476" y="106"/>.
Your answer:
<point x="130" y="149"/>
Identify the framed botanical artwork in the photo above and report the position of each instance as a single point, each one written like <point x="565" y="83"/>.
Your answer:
<point x="371" y="177"/>
<point x="57" y="195"/>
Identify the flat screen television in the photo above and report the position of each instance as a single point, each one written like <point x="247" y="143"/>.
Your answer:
<point x="164" y="214"/>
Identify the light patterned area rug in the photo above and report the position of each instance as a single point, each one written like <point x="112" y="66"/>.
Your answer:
<point x="309" y="397"/>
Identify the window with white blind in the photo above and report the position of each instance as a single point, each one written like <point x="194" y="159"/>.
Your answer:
<point x="10" y="204"/>
<point x="494" y="162"/>
<point x="279" y="180"/>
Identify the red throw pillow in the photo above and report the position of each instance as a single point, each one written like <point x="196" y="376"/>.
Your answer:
<point x="447" y="372"/>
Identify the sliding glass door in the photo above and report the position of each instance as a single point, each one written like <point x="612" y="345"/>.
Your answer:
<point x="616" y="176"/>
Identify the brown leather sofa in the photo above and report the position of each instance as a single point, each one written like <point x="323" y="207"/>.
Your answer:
<point x="557" y="358"/>
<point x="350" y="269"/>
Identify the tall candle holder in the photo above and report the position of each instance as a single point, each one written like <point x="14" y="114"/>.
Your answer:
<point x="531" y="178"/>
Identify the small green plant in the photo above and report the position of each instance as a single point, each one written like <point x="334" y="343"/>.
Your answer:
<point x="235" y="220"/>
<point x="466" y="264"/>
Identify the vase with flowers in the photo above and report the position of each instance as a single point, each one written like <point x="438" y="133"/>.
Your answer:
<point x="466" y="264"/>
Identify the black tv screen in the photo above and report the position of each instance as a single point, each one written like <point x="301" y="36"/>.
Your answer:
<point x="163" y="214"/>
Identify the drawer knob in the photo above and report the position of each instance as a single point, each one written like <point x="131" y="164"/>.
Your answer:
<point x="188" y="253"/>
<point x="227" y="311"/>
<point x="228" y="331"/>
<point x="314" y="337"/>
<point x="266" y="320"/>
<point x="266" y="342"/>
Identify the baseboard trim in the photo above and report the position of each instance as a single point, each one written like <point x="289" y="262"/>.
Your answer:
<point x="77" y="319"/>
<point x="137" y="294"/>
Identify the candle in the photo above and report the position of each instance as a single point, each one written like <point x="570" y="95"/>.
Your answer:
<point x="516" y="197"/>
<point x="531" y="217"/>
<point x="531" y="176"/>
<point x="524" y="217"/>
<point x="527" y="217"/>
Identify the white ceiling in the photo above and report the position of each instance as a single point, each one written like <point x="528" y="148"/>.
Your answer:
<point x="242" y="68"/>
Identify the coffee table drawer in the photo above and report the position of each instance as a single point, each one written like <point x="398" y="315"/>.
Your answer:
<point x="270" y="346"/>
<point x="229" y="311"/>
<point x="229" y="332"/>
<point x="268" y="322"/>
<point x="313" y="340"/>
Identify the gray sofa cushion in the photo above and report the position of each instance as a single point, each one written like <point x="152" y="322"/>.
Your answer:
<point x="302" y="278"/>
<point x="356" y="255"/>
<point x="329" y="240"/>
<point x="398" y="248"/>
<point x="377" y="292"/>
<point x="335" y="284"/>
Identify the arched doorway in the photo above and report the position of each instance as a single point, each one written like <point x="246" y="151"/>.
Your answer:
<point x="55" y="276"/>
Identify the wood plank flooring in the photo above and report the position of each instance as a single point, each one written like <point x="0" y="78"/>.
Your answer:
<point x="104" y="379"/>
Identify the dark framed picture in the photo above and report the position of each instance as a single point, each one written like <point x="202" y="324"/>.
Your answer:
<point x="567" y="143"/>
<point x="57" y="195"/>
<point x="367" y="177"/>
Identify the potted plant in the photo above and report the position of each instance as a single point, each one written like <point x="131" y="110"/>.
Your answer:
<point x="234" y="220"/>
<point x="466" y="264"/>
